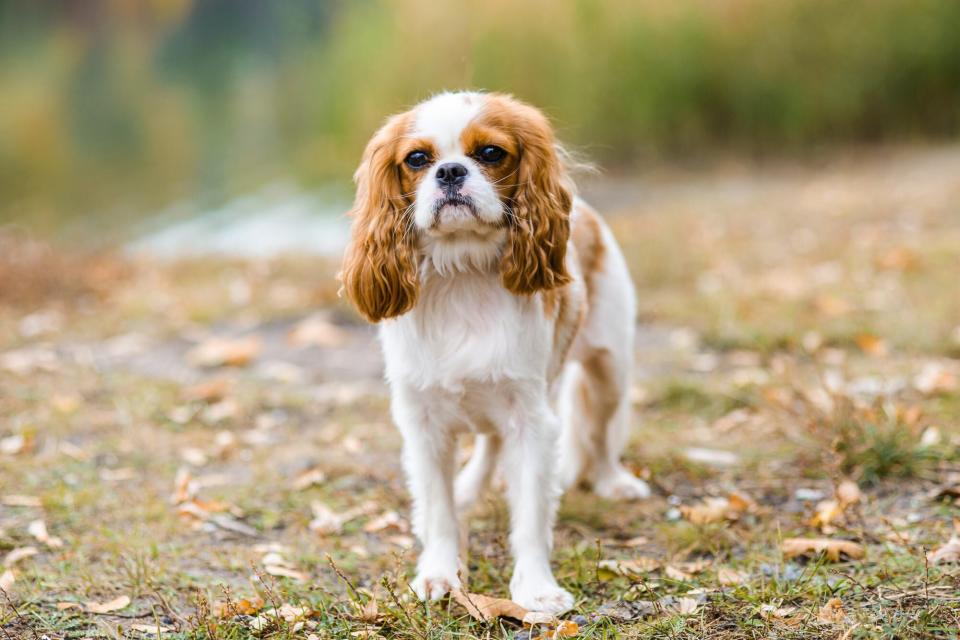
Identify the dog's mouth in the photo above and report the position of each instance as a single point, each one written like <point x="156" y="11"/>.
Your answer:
<point x="453" y="200"/>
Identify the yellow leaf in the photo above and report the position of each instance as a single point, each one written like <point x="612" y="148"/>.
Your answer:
<point x="118" y="603"/>
<point x="871" y="345"/>
<point x="832" y="549"/>
<point x="566" y="629"/>
<point x="225" y="352"/>
<point x="832" y="612"/>
<point x="481" y="607"/>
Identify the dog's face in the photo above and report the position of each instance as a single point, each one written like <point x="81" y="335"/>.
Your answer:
<point x="464" y="180"/>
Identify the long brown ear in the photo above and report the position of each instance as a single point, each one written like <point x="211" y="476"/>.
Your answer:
<point x="540" y="224"/>
<point x="379" y="272"/>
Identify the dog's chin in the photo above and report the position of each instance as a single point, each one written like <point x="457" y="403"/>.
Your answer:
<point x="460" y="219"/>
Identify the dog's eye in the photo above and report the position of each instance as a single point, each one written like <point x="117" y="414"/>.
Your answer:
<point x="417" y="159"/>
<point x="490" y="154"/>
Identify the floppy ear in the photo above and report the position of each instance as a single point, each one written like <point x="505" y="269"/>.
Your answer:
<point x="540" y="225"/>
<point x="379" y="272"/>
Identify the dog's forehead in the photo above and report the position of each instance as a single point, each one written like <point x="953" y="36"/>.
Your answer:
<point x="443" y="118"/>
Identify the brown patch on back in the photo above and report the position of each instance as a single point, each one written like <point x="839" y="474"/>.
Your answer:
<point x="587" y="237"/>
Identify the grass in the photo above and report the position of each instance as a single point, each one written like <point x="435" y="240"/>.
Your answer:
<point x="109" y="409"/>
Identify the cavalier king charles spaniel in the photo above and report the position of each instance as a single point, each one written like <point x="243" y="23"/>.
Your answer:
<point x="506" y="310"/>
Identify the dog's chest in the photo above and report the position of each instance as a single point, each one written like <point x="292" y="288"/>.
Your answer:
<point x="467" y="329"/>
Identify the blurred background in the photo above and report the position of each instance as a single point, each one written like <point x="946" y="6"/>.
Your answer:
<point x="121" y="113"/>
<point x="782" y="175"/>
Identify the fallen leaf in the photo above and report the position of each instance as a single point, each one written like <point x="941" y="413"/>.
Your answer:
<point x="711" y="457"/>
<point x="21" y="553"/>
<point x="6" y="580"/>
<point x="481" y="607"/>
<point x="716" y="509"/>
<point x="949" y="552"/>
<point x="65" y="606"/>
<point x="221" y="352"/>
<point x="308" y="478"/>
<point x="534" y="618"/>
<point x="184" y="487"/>
<point x="38" y="529"/>
<point x="14" y="445"/>
<point x="369" y="612"/>
<point x="14" y="500"/>
<point x="208" y="391"/>
<point x="871" y="345"/>
<point x="686" y="606"/>
<point x="675" y="573"/>
<point x="898" y="259"/>
<point x="848" y="493"/>
<point x="832" y="612"/>
<point x="242" y="607"/>
<point x="276" y="565"/>
<point x="771" y="611"/>
<point x="317" y="331"/>
<point x="325" y="520"/>
<point x="194" y="456"/>
<point x="827" y="512"/>
<point x="388" y="520"/>
<point x="118" y="603"/>
<point x="832" y="549"/>
<point x="729" y="577"/>
<point x="934" y="379"/>
<point x="566" y="629"/>
<point x="629" y="568"/>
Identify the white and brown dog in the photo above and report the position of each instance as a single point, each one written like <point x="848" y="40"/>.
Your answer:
<point x="507" y="310"/>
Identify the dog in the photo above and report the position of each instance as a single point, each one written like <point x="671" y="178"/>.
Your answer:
<point x="506" y="310"/>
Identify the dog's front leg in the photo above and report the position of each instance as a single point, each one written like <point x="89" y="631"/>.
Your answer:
<point x="429" y="464"/>
<point x="533" y="492"/>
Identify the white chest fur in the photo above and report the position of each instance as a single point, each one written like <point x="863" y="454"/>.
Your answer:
<point x="467" y="328"/>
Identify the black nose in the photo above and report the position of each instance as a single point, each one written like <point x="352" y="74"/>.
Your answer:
<point x="451" y="174"/>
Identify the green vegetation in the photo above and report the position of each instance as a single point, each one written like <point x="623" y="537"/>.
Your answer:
<point x="122" y="111"/>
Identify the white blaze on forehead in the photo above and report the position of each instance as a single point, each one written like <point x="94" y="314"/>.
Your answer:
<point x="443" y="118"/>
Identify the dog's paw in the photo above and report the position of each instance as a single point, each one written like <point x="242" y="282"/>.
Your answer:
<point x="433" y="584"/>
<point x="547" y="598"/>
<point x="622" y="485"/>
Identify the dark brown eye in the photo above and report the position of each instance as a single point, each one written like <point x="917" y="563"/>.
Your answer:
<point x="490" y="154"/>
<point x="417" y="159"/>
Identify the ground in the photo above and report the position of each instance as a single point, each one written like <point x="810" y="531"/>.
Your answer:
<point x="202" y="449"/>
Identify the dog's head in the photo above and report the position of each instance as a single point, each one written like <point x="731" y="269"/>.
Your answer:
<point x="463" y="181"/>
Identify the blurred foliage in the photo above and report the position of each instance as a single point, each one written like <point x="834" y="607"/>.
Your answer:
<point x="120" y="107"/>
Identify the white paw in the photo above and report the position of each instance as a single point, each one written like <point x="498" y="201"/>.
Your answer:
<point x="548" y="598"/>
<point x="431" y="584"/>
<point x="622" y="485"/>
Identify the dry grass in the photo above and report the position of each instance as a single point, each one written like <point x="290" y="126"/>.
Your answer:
<point x="100" y="413"/>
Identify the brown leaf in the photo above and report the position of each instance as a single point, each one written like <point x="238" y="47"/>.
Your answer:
<point x="242" y="607"/>
<point x="15" y="500"/>
<point x="208" y="391"/>
<point x="729" y="577"/>
<point x="481" y="607"/>
<point x="118" y="603"/>
<point x="38" y="529"/>
<point x="566" y="629"/>
<point x="629" y="568"/>
<point x="871" y="345"/>
<point x="21" y="553"/>
<point x="949" y="552"/>
<point x="369" y="612"/>
<point x="719" y="509"/>
<point x="225" y="352"/>
<point x="317" y="331"/>
<point x="833" y="549"/>
<point x="827" y="512"/>
<point x="832" y="612"/>
<point x="308" y="478"/>
<point x="848" y="493"/>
